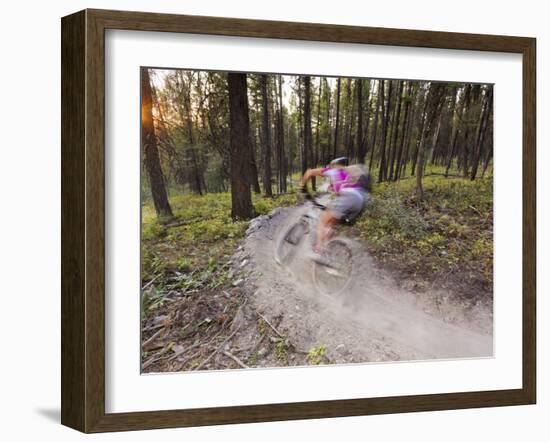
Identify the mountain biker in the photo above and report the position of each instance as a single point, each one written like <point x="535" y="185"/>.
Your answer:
<point x="350" y="199"/>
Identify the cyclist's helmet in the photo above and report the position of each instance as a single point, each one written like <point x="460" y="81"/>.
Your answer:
<point x="340" y="161"/>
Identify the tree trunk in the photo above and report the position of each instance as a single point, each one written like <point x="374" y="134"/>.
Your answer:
<point x="308" y="145"/>
<point x="337" y="123"/>
<point x="365" y="136"/>
<point x="318" y="127"/>
<point x="379" y="103"/>
<point x="360" y="140"/>
<point x="150" y="149"/>
<point x="432" y="107"/>
<point x="422" y="106"/>
<point x="454" y="133"/>
<point x="241" y="199"/>
<point x="489" y="149"/>
<point x="471" y="100"/>
<point x="408" y="131"/>
<point x="326" y="150"/>
<point x="266" y="137"/>
<point x="420" y="132"/>
<point x="254" y="169"/>
<point x="435" y="137"/>
<point x="420" y="171"/>
<point x="392" y="114"/>
<point x="399" y="155"/>
<point x="383" y="173"/>
<point x="194" y="177"/>
<point x="350" y="98"/>
<point x="488" y="159"/>
<point x="484" y="120"/>
<point x="281" y="141"/>
<point x="396" y="130"/>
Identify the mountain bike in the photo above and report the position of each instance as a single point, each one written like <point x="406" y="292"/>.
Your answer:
<point x="333" y="273"/>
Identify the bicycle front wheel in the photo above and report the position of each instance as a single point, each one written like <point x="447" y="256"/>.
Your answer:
<point x="334" y="276"/>
<point x="288" y="243"/>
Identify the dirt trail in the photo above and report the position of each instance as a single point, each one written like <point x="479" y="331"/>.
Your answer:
<point x="378" y="320"/>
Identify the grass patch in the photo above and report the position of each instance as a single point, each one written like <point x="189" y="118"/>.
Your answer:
<point x="281" y="351"/>
<point x="450" y="231"/>
<point x="198" y="242"/>
<point x="316" y="354"/>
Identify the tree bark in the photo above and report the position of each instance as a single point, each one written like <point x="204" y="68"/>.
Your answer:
<point x="317" y="149"/>
<point x="150" y="149"/>
<point x="471" y="100"/>
<point x="435" y="137"/>
<point x="350" y="98"/>
<point x="326" y="149"/>
<point x="241" y="199"/>
<point x="365" y="136"/>
<point x="399" y="154"/>
<point x="379" y="103"/>
<point x="266" y="136"/>
<point x="408" y="133"/>
<point x="360" y="140"/>
<point x="454" y="133"/>
<point x="488" y="158"/>
<point x="255" y="182"/>
<point x="396" y="129"/>
<point x="308" y="138"/>
<point x="489" y="149"/>
<point x="422" y="105"/>
<point x="337" y="122"/>
<point x="195" y="179"/>
<point x="484" y="120"/>
<point x="383" y="173"/>
<point x="432" y="107"/>
<point x="281" y="141"/>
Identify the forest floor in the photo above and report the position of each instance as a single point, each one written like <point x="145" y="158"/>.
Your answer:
<point x="213" y="298"/>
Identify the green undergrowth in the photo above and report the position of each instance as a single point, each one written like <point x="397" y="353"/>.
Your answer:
<point x="192" y="250"/>
<point x="448" y="232"/>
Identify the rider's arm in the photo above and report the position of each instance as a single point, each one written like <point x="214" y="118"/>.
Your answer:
<point x="310" y="173"/>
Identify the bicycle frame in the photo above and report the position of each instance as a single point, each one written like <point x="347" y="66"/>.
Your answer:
<point x="311" y="217"/>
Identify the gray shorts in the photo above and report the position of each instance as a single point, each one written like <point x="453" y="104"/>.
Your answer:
<point x="348" y="204"/>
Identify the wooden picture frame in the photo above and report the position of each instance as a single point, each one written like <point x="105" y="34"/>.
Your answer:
<point x="83" y="220"/>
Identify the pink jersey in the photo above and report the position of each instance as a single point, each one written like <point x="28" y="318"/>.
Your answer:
<point x="339" y="179"/>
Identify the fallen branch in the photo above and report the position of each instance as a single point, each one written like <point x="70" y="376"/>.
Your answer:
<point x="149" y="283"/>
<point x="236" y="359"/>
<point x="475" y="210"/>
<point x="445" y="175"/>
<point x="154" y="336"/>
<point x="298" y="350"/>
<point x="198" y="344"/>
<point x="184" y="222"/>
<point x="186" y="360"/>
<point x="271" y="325"/>
<point x="157" y="357"/>
<point x="203" y="363"/>
<point x="152" y="327"/>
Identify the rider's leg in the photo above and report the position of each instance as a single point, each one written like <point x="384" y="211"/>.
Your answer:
<point x="324" y="229"/>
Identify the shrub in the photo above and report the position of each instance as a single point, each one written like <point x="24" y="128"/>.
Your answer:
<point x="391" y="214"/>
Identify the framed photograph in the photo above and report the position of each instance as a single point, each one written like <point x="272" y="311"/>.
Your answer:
<point x="266" y="220"/>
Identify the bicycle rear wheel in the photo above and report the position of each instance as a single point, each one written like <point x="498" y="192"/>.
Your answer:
<point x="334" y="276"/>
<point x="288" y="243"/>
